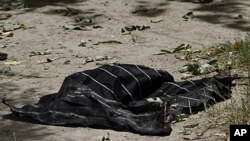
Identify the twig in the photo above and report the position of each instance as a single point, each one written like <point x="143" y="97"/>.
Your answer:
<point x="14" y="134"/>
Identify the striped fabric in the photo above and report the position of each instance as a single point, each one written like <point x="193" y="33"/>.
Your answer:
<point x="126" y="97"/>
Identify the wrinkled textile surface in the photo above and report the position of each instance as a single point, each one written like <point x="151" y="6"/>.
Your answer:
<point x="126" y="97"/>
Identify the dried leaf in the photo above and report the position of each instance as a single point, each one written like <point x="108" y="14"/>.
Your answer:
<point x="188" y="16"/>
<point x="101" y="58"/>
<point x="14" y="63"/>
<point x="75" y="27"/>
<point x="108" y="42"/>
<point x="156" y="20"/>
<point x="82" y="43"/>
<point x="8" y="34"/>
<point x="87" y="60"/>
<point x="46" y="52"/>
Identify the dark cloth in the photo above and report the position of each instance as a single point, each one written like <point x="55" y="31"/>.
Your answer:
<point x="126" y="97"/>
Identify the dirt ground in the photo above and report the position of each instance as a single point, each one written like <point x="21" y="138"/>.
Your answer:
<point x="212" y="24"/>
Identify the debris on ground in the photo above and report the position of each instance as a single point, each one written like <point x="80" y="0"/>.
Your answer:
<point x="240" y="16"/>
<point x="108" y="42"/>
<point x="76" y="27"/>
<point x="81" y="24"/>
<point x="83" y="21"/>
<point x="88" y="59"/>
<point x="7" y="28"/>
<point x="196" y="58"/>
<point x="101" y="58"/>
<point x="198" y="69"/>
<point x="182" y="47"/>
<point x="5" y="16"/>
<point x="6" y="34"/>
<point x="13" y="63"/>
<point x="188" y="16"/>
<point x="3" y="56"/>
<point x="104" y="138"/>
<point x="156" y="20"/>
<point x="97" y="26"/>
<point x="201" y="1"/>
<point x="46" y="52"/>
<point x="67" y="11"/>
<point x="48" y="60"/>
<point x="3" y="45"/>
<point x="82" y="43"/>
<point x="112" y="62"/>
<point x="134" y="27"/>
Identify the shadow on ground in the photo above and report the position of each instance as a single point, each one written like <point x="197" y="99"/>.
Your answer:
<point x="150" y="8"/>
<point x="69" y="11"/>
<point x="41" y="3"/>
<point x="11" y="128"/>
<point x="14" y="95"/>
<point x="229" y="13"/>
<point x="31" y="5"/>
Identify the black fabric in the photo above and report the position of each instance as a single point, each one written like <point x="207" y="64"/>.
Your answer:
<point x="126" y="97"/>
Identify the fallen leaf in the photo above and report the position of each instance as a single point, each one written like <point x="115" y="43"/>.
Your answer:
<point x="108" y="42"/>
<point x="82" y="43"/>
<point x="134" y="27"/>
<point x="48" y="60"/>
<point x="75" y="27"/>
<point x="188" y="16"/>
<point x="107" y="63"/>
<point x="182" y="47"/>
<point x="97" y="26"/>
<point x="8" y="34"/>
<point x="3" y="46"/>
<point x="156" y="20"/>
<point x="21" y="25"/>
<point x="14" y="63"/>
<point x="237" y="45"/>
<point x="101" y="58"/>
<point x="46" y="52"/>
<point x="87" y="60"/>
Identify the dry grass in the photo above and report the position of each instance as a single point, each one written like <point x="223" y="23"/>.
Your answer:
<point x="237" y="109"/>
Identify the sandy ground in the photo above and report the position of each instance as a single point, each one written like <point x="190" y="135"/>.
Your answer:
<point x="212" y="24"/>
